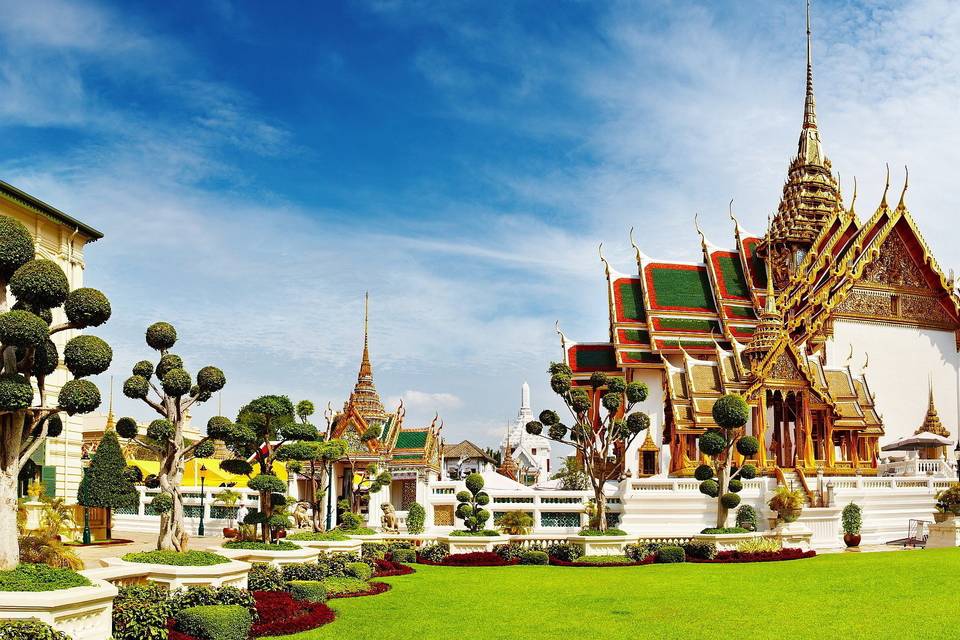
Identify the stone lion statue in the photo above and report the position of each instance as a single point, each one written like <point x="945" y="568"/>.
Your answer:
<point x="300" y="516"/>
<point x="388" y="521"/>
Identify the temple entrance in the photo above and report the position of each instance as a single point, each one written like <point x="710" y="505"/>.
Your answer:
<point x="783" y="439"/>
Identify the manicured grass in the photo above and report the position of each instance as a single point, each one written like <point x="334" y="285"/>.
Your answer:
<point x="177" y="558"/>
<point x="848" y="595"/>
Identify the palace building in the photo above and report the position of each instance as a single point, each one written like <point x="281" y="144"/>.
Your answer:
<point x="839" y="328"/>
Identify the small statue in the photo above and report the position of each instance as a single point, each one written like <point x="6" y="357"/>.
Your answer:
<point x="389" y="522"/>
<point x="300" y="516"/>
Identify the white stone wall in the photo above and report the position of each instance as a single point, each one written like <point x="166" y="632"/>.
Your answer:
<point x="653" y="405"/>
<point x="901" y="358"/>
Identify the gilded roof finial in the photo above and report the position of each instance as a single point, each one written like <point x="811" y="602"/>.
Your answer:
<point x="906" y="182"/>
<point x="850" y="355"/>
<point x="563" y="340"/>
<point x="886" y="188"/>
<point x="770" y="305"/>
<point x="852" y="202"/>
<point x="696" y="224"/>
<point x="606" y="265"/>
<point x="809" y="105"/>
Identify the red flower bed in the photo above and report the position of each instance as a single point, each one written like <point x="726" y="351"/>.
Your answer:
<point x="280" y="614"/>
<point x="385" y="568"/>
<point x="758" y="556"/>
<point x="375" y="588"/>
<point x="563" y="563"/>
<point x="476" y="559"/>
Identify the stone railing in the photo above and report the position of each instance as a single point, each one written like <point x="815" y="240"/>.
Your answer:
<point x="215" y="515"/>
<point x="918" y="467"/>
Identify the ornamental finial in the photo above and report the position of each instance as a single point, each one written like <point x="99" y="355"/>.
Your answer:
<point x="810" y="105"/>
<point x="852" y="202"/>
<point x="906" y="182"/>
<point x="886" y="188"/>
<point x="696" y="224"/>
<point x="606" y="265"/>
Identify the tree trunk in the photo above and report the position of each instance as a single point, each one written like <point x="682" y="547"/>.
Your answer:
<point x="722" y="511"/>
<point x="266" y="507"/>
<point x="173" y="533"/>
<point x="9" y="475"/>
<point x="600" y="500"/>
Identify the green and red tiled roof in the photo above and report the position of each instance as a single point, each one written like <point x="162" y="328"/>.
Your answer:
<point x="587" y="358"/>
<point x="679" y="287"/>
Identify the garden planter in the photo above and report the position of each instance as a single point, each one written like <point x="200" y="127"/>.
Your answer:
<point x="944" y="534"/>
<point x="601" y="545"/>
<point x="851" y="539"/>
<point x="83" y="613"/>
<point x="789" y="515"/>
<point x="725" y="541"/>
<point x="353" y="547"/>
<point x="943" y="517"/>
<point x="473" y="544"/>
<point x="230" y="533"/>
<point x="228" y="574"/>
<point x="276" y="558"/>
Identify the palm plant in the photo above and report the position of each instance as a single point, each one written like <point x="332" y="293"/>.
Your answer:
<point x="515" y="523"/>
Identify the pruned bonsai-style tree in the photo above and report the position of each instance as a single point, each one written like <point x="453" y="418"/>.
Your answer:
<point x="312" y="461"/>
<point x="107" y="482"/>
<point x="29" y="356"/>
<point x="264" y="428"/>
<point x="471" y="503"/>
<point x="173" y="394"/>
<point x="600" y="435"/>
<point x="718" y="479"/>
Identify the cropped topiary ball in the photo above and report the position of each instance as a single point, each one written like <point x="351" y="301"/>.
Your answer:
<point x="712" y="442"/>
<point x="710" y="488"/>
<point x="267" y="483"/>
<point x="598" y="379"/>
<point x="730" y="500"/>
<point x="464" y="511"/>
<point x="168" y="362"/>
<point x="211" y="379"/>
<point x="748" y="472"/>
<point x="44" y="314"/>
<point x="162" y="503"/>
<point x="579" y="400"/>
<point x="735" y="485"/>
<point x="54" y="425"/>
<point x="160" y="430"/>
<point x="45" y="358"/>
<point x="637" y="392"/>
<point x="557" y="431"/>
<point x="637" y="422"/>
<point x="16" y="246"/>
<point x="560" y="383"/>
<point x="23" y="329"/>
<point x="474" y="482"/>
<point x="205" y="449"/>
<point x="236" y="466"/>
<point x="87" y="307"/>
<point x="482" y="498"/>
<point x="143" y="368"/>
<point x="748" y="446"/>
<point x="126" y="427"/>
<point x="136" y="387"/>
<point x="703" y="472"/>
<point x="177" y="382"/>
<point x="611" y="402"/>
<point x="161" y="336"/>
<point x="15" y="392"/>
<point x="616" y="384"/>
<point x="549" y="417"/>
<point x="79" y="396"/>
<point x="87" y="356"/>
<point x="219" y="427"/>
<point x="731" y="411"/>
<point x="534" y="428"/>
<point x="41" y="283"/>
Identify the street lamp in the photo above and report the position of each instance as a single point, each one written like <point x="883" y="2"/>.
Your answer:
<point x="203" y="478"/>
<point x="87" y="538"/>
<point x="956" y="452"/>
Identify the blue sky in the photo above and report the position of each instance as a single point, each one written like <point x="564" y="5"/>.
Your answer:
<point x="257" y="166"/>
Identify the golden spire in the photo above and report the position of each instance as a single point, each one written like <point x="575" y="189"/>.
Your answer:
<point x="365" y="398"/>
<point x="768" y="331"/>
<point x="111" y="422"/>
<point x="366" y="370"/>
<point x="931" y="422"/>
<point x="810" y="104"/>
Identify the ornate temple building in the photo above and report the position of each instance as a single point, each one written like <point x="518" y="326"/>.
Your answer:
<point x="528" y="455"/>
<point x="411" y="455"/>
<point x="830" y="324"/>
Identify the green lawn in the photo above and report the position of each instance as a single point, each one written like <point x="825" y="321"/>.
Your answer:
<point x="900" y="595"/>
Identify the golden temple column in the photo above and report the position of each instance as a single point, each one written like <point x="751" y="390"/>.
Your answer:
<point x="760" y="428"/>
<point x="830" y="450"/>
<point x="808" y="455"/>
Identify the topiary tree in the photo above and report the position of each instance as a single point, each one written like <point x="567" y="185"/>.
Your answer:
<point x="268" y="429"/>
<point x="107" y="483"/>
<point x="312" y="461"/>
<point x="471" y="502"/>
<point x="717" y="478"/>
<point x="601" y="435"/>
<point x="416" y="518"/>
<point x="372" y="480"/>
<point x="167" y="388"/>
<point x="28" y="413"/>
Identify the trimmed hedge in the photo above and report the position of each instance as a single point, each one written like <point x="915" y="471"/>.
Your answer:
<point x="253" y="545"/>
<point x="309" y="536"/>
<point x="669" y="555"/>
<point x="403" y="555"/>
<point x="215" y="622"/>
<point x="613" y="531"/>
<point x="177" y="558"/>
<point x="724" y="530"/>
<point x="308" y="590"/>
<point x="534" y="557"/>
<point x="40" y="577"/>
<point x="29" y="629"/>
<point x="265" y="577"/>
<point x="360" y="570"/>
<point x="340" y="586"/>
<point x="700" y="550"/>
<point x="759" y="556"/>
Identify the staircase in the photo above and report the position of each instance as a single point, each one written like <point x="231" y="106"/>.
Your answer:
<point x="793" y="478"/>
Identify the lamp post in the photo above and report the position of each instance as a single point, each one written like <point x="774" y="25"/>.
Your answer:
<point x="87" y="537"/>
<point x="956" y="457"/>
<point x="203" y="478"/>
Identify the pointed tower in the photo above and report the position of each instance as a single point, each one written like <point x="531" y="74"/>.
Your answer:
<point x="768" y="331"/>
<point x="811" y="194"/>
<point x="365" y="398"/>
<point x="932" y="424"/>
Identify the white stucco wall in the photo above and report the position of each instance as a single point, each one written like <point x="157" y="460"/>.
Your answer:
<point x="901" y="358"/>
<point x="653" y="406"/>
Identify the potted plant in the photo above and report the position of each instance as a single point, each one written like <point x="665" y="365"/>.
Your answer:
<point x="940" y="513"/>
<point x="852" y="518"/>
<point x="229" y="498"/>
<point x="948" y="502"/>
<point x="788" y="503"/>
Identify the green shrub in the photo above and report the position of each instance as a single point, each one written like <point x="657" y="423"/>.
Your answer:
<point x="359" y="570"/>
<point x="40" y="577"/>
<point x="208" y="596"/>
<point x="612" y="531"/>
<point x="617" y="559"/>
<point x="759" y="545"/>
<point x="308" y="571"/>
<point x="703" y="472"/>
<point x="416" y="517"/>
<point x="467" y="534"/>
<point x="281" y="545"/>
<point x="434" y="552"/>
<point x="350" y="522"/>
<point x="177" y="558"/>
<point x="564" y="551"/>
<point x="339" y="586"/>
<point x="140" y="612"/>
<point x="29" y="629"/>
<point x="373" y="550"/>
<point x="731" y="411"/>
<point x="670" y="554"/>
<point x="724" y="530"/>
<point x="310" y="536"/>
<point x="534" y="557"/>
<point x="404" y="555"/>
<point x="510" y="551"/>
<point x="640" y="552"/>
<point x="215" y="622"/>
<point x="730" y="500"/>
<point x="265" y="577"/>
<point x="747" y="518"/>
<point x="309" y="590"/>
<point x="852" y="517"/>
<point x="701" y="550"/>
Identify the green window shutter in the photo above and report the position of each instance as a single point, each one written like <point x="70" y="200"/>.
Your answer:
<point x="49" y="478"/>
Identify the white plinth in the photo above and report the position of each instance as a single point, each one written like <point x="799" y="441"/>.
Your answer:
<point x="232" y="574"/>
<point x="83" y="613"/>
<point x="353" y="547"/>
<point x="276" y="558"/>
<point x="725" y="541"/>
<point x="472" y="544"/>
<point x="793" y="535"/>
<point x="602" y="545"/>
<point x="943" y="534"/>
